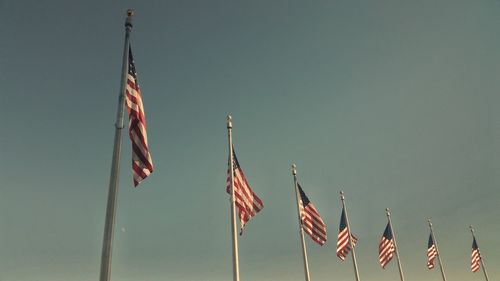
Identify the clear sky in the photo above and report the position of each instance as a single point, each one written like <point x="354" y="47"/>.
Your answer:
<point x="394" y="101"/>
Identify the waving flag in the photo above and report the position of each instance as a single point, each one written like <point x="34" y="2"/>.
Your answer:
<point x="312" y="223"/>
<point x="386" y="247"/>
<point x="247" y="203"/>
<point x="142" y="165"/>
<point x="475" y="256"/>
<point x="343" y="246"/>
<point x="431" y="253"/>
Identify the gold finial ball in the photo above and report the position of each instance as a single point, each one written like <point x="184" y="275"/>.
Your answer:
<point x="229" y="121"/>
<point x="130" y="12"/>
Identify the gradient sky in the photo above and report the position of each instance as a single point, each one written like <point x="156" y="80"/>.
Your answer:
<point x="396" y="102"/>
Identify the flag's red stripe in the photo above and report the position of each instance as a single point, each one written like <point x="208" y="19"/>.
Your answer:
<point x="386" y="250"/>
<point x="343" y="246"/>
<point x="319" y="227"/>
<point x="475" y="260"/>
<point x="431" y="256"/>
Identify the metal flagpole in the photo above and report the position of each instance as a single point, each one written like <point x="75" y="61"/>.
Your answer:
<point x="480" y="256"/>
<point x="355" y="264"/>
<point x="109" y="226"/>
<point x="395" y="244"/>
<point x="236" y="265"/>
<point x="304" y="250"/>
<point x="437" y="250"/>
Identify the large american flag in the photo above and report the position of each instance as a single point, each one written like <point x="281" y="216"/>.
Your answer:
<point x="431" y="252"/>
<point x="142" y="165"/>
<point x="386" y="247"/>
<point x="247" y="203"/>
<point x="475" y="257"/>
<point x="343" y="246"/>
<point x="311" y="221"/>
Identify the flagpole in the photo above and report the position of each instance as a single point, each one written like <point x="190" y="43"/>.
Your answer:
<point x="355" y="264"/>
<point x="437" y="250"/>
<point x="480" y="256"/>
<point x="304" y="249"/>
<point x="109" y="226"/>
<point x="395" y="244"/>
<point x="236" y="265"/>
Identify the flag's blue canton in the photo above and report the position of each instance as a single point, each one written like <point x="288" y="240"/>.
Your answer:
<point x="431" y="243"/>
<point x="305" y="200"/>
<point x="343" y="223"/>
<point x="388" y="232"/>
<point x="474" y="244"/>
<point x="131" y="66"/>
<point x="236" y="164"/>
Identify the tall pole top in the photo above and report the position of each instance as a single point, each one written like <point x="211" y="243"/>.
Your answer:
<point x="342" y="197"/>
<point x="229" y="121"/>
<point x="429" y="221"/>
<point x="387" y="212"/>
<point x="128" y="21"/>
<point x="471" y="230"/>
<point x="294" y="169"/>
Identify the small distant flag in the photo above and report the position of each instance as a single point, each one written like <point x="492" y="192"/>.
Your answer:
<point x="247" y="203"/>
<point x="343" y="246"/>
<point x="386" y="247"/>
<point x="431" y="252"/>
<point x="475" y="256"/>
<point x="142" y="165"/>
<point x="311" y="221"/>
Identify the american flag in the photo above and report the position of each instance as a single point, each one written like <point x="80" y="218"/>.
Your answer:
<point x="475" y="257"/>
<point x="247" y="203"/>
<point x="431" y="252"/>
<point x="386" y="247"/>
<point x="343" y="246"/>
<point x="311" y="221"/>
<point x="142" y="165"/>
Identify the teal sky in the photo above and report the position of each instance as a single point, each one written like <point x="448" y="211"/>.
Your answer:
<point x="396" y="102"/>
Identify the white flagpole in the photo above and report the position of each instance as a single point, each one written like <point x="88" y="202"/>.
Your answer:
<point x="109" y="226"/>
<point x="480" y="256"/>
<point x="395" y="244"/>
<point x="301" y="230"/>
<point x="437" y="250"/>
<point x="236" y="265"/>
<point x="355" y="264"/>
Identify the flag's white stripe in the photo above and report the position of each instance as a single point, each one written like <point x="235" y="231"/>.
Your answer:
<point x="244" y="191"/>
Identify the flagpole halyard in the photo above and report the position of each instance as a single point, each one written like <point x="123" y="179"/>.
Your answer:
<point x="437" y="250"/>
<point x="480" y="256"/>
<point x="301" y="230"/>
<point x="354" y="262"/>
<point x="400" y="267"/>
<point x="109" y="225"/>
<point x="236" y="266"/>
